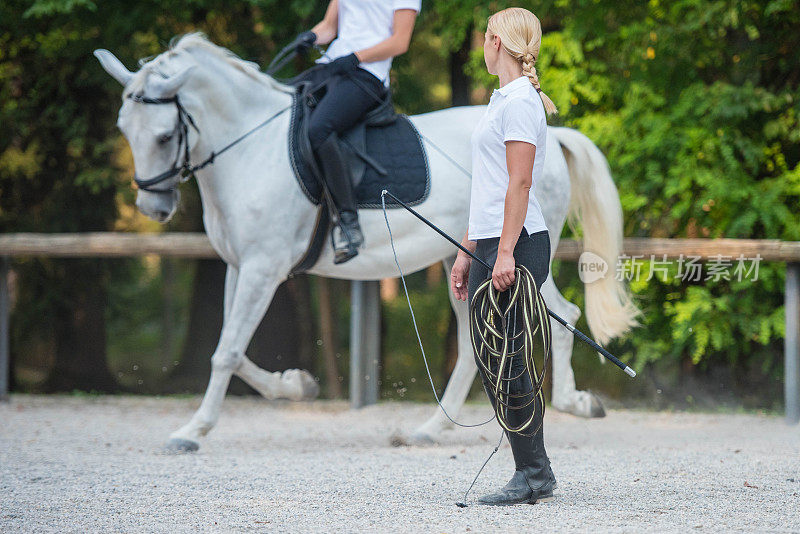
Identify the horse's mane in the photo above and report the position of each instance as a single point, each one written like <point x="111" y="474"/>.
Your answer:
<point x="193" y="42"/>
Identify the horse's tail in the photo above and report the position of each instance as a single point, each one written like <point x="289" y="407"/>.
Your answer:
<point x="595" y="206"/>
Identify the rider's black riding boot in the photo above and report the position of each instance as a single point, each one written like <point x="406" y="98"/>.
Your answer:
<point x="347" y="235"/>
<point x="533" y="480"/>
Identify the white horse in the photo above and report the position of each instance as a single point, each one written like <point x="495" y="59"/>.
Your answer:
<point x="260" y="222"/>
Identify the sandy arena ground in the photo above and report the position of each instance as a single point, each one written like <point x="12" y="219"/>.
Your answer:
<point x="71" y="464"/>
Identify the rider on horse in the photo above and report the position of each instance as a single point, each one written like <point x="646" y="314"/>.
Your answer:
<point x="366" y="35"/>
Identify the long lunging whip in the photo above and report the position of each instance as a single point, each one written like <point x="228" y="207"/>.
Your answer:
<point x="580" y="335"/>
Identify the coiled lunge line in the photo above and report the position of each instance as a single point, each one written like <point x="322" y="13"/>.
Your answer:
<point x="497" y="345"/>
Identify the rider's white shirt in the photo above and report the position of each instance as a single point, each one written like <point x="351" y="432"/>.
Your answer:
<point x="515" y="113"/>
<point x="365" y="23"/>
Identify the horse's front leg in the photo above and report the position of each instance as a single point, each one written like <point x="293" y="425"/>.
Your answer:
<point x="292" y="384"/>
<point x="252" y="290"/>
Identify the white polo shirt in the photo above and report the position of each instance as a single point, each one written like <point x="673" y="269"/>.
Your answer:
<point x="515" y="113"/>
<point x="365" y="23"/>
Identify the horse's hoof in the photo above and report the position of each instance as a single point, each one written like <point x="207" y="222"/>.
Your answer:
<point x="596" y="407"/>
<point x="418" y="438"/>
<point x="414" y="440"/>
<point x="309" y="385"/>
<point x="300" y="385"/>
<point x="421" y="439"/>
<point x="583" y="404"/>
<point x="181" y="446"/>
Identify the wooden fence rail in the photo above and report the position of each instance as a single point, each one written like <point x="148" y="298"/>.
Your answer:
<point x="196" y="245"/>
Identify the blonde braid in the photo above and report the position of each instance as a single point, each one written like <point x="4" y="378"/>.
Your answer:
<point x="529" y="70"/>
<point x="520" y="33"/>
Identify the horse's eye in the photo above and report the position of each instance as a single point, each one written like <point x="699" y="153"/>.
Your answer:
<point x="164" y="138"/>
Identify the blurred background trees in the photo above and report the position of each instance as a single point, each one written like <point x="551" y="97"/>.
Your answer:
<point x="695" y="104"/>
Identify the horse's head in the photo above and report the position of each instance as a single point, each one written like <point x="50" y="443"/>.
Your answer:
<point x="222" y="90"/>
<point x="156" y="127"/>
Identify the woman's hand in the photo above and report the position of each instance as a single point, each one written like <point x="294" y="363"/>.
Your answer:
<point x="459" y="276"/>
<point x="304" y="41"/>
<point x="504" y="271"/>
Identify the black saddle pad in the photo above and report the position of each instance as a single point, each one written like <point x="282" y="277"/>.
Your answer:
<point x="396" y="147"/>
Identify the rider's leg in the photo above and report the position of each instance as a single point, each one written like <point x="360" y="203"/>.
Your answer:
<point x="345" y="103"/>
<point x="347" y="235"/>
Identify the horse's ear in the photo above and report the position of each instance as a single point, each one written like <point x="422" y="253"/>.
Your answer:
<point x="166" y="88"/>
<point x="113" y="66"/>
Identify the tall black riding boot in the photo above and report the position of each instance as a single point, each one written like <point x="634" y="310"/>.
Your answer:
<point x="347" y="236"/>
<point x="533" y="479"/>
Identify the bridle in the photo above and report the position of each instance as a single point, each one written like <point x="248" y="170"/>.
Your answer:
<point x="185" y="169"/>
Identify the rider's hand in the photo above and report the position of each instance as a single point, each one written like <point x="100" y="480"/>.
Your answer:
<point x="304" y="41"/>
<point x="459" y="276"/>
<point x="344" y="64"/>
<point x="504" y="271"/>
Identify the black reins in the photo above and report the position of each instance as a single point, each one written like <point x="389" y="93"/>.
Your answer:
<point x="186" y="170"/>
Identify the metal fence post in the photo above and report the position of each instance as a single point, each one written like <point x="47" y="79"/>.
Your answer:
<point x="372" y="342"/>
<point x="364" y="343"/>
<point x="5" y="311"/>
<point x="356" y="347"/>
<point x="792" y="343"/>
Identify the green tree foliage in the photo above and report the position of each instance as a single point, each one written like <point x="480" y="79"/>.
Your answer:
<point x="696" y="107"/>
<point x="695" y="104"/>
<point x="55" y="174"/>
<point x="58" y="144"/>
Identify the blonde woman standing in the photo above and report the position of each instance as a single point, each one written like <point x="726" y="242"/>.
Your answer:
<point x="506" y="225"/>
